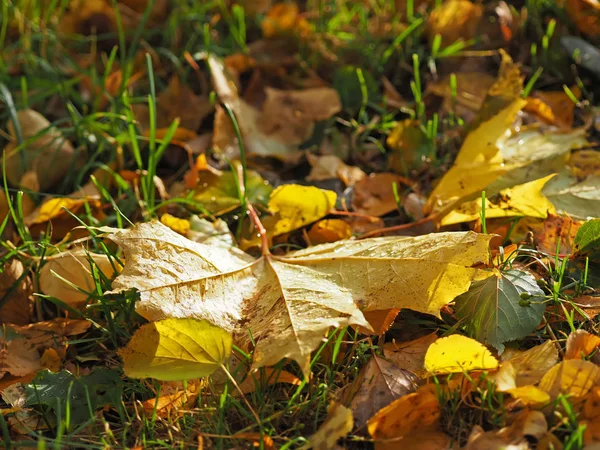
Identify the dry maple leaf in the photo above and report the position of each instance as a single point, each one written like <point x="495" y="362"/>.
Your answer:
<point x="290" y="302"/>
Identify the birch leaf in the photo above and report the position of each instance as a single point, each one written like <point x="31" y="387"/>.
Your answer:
<point x="289" y="303"/>
<point x="176" y="349"/>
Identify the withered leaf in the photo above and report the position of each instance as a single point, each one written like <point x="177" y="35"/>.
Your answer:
<point x="290" y="302"/>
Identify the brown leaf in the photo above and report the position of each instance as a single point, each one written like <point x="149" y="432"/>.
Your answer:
<point x="410" y="355"/>
<point x="15" y="289"/>
<point x="374" y="196"/>
<point x="381" y="382"/>
<point x="531" y="365"/>
<point x="380" y="320"/>
<point x="47" y="152"/>
<point x="330" y="166"/>
<point x="174" y="396"/>
<point x="267" y="376"/>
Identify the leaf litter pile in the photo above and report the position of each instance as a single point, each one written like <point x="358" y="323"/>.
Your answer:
<point x="280" y="225"/>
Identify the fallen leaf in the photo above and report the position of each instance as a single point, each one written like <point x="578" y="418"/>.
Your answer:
<point x="585" y="14"/>
<point x="291" y="114"/>
<point x="329" y="230"/>
<point x="329" y="166"/>
<point x="527" y="424"/>
<point x="458" y="353"/>
<point x="218" y="193"/>
<point x="259" y="440"/>
<point x="181" y="226"/>
<point x="471" y="91"/>
<point x="409" y="146"/>
<point x="51" y="360"/>
<point x="478" y="162"/>
<point x="374" y="195"/>
<point x="573" y="377"/>
<point x="525" y="200"/>
<point x="338" y="424"/>
<point x="419" y="440"/>
<point x="296" y="206"/>
<point x="581" y="344"/>
<point x="554" y="230"/>
<point x="177" y="101"/>
<point x="68" y="276"/>
<point x="410" y="355"/>
<point x="579" y="199"/>
<point x="46" y="151"/>
<point x="410" y="414"/>
<point x="494" y="310"/>
<point x="530" y="396"/>
<point x="59" y="212"/>
<point x="554" y="107"/>
<point x="380" y="383"/>
<point x="284" y="19"/>
<point x="267" y="133"/>
<point x="531" y="365"/>
<point x="380" y="320"/>
<point x="290" y="302"/>
<point x="455" y="20"/>
<point x="267" y="376"/>
<point x="584" y="163"/>
<point x="175" y="349"/>
<point x="174" y="396"/>
<point x="20" y="346"/>
<point x="15" y="289"/>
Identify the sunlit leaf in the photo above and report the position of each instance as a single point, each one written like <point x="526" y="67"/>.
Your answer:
<point x="176" y="349"/>
<point x="458" y="353"/>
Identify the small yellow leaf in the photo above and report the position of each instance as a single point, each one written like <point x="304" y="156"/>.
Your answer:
<point x="298" y="206"/>
<point x="458" y="353"/>
<point x="55" y="207"/>
<point x="530" y="395"/>
<point x="51" y="360"/>
<point x="176" y="349"/>
<point x="181" y="226"/>
<point x="338" y="424"/>
<point x="571" y="377"/>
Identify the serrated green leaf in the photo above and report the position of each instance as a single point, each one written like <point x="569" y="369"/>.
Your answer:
<point x="588" y="236"/>
<point x="493" y="309"/>
<point x="176" y="349"/>
<point x="84" y="394"/>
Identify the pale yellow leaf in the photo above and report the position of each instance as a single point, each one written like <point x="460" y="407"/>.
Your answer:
<point x="74" y="267"/>
<point x="176" y="349"/>
<point x="457" y="353"/>
<point x="531" y="365"/>
<point x="338" y="424"/>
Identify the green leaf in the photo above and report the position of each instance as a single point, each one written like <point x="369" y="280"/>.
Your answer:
<point x="495" y="312"/>
<point x="89" y="392"/>
<point x="176" y="349"/>
<point x="588" y="236"/>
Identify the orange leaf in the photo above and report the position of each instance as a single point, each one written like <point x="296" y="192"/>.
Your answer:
<point x="266" y="377"/>
<point x="580" y="344"/>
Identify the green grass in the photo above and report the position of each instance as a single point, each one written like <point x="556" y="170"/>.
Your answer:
<point x="103" y="126"/>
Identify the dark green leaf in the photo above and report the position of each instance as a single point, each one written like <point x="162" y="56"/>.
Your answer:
<point x="494" y="312"/>
<point x="103" y="387"/>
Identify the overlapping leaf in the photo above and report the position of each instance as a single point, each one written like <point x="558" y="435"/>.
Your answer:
<point x="290" y="302"/>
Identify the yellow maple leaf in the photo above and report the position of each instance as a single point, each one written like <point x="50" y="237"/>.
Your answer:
<point x="290" y="302"/>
